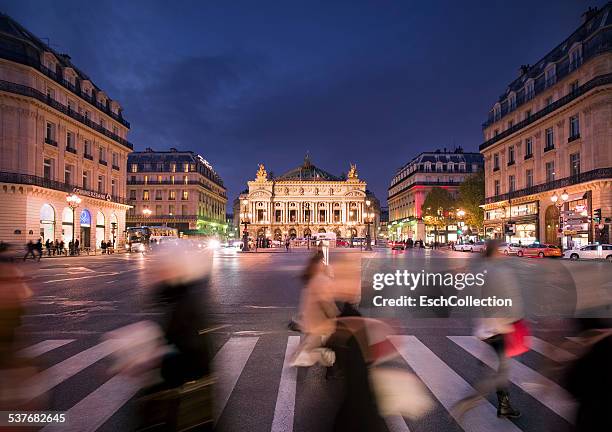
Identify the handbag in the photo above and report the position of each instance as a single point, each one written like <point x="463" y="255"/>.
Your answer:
<point x="517" y="342"/>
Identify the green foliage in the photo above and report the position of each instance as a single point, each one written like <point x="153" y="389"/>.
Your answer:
<point x="471" y="196"/>
<point x="436" y="207"/>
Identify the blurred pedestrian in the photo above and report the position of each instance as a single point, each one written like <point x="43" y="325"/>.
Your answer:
<point x="589" y="378"/>
<point x="39" y="248"/>
<point x="103" y="246"/>
<point x="496" y="331"/>
<point x="62" y="246"/>
<point x="14" y="371"/>
<point x="29" y="250"/>
<point x="48" y="245"/>
<point x="317" y="314"/>
<point x="185" y="368"/>
<point x="77" y="249"/>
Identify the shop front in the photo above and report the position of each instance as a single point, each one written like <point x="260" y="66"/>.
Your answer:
<point x="513" y="223"/>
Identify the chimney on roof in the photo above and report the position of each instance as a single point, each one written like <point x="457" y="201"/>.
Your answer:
<point x="173" y="150"/>
<point x="523" y="70"/>
<point x="590" y="13"/>
<point x="149" y="150"/>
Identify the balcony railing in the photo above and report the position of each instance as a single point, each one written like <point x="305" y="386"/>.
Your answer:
<point x="597" y="174"/>
<point x="103" y="162"/>
<point x="599" y="81"/>
<point x="116" y="167"/>
<point x="425" y="183"/>
<point x="528" y="156"/>
<point x="20" y="58"/>
<point x="71" y="150"/>
<point x="549" y="148"/>
<point x="177" y="184"/>
<point x="88" y="156"/>
<point x="51" y="142"/>
<point x="33" y="93"/>
<point x="27" y="179"/>
<point x="599" y="43"/>
<point x="573" y="138"/>
<point x="168" y="217"/>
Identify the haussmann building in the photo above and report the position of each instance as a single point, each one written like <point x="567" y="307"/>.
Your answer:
<point x="62" y="136"/>
<point x="548" y="148"/>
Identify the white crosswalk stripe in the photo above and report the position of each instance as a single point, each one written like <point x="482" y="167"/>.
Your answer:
<point x="447" y="386"/>
<point x="442" y="380"/>
<point x="44" y="381"/>
<point x="551" y="351"/>
<point x="230" y="359"/>
<point x="43" y="347"/>
<point x="285" y="401"/>
<point x="549" y="393"/>
<point x="100" y="405"/>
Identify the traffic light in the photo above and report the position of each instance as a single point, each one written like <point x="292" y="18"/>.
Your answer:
<point x="597" y="215"/>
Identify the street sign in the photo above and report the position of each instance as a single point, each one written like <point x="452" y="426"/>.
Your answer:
<point x="569" y="232"/>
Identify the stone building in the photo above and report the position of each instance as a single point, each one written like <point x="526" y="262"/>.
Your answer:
<point x="549" y="137"/>
<point x="175" y="188"/>
<point x="411" y="184"/>
<point x="304" y="201"/>
<point x="61" y="135"/>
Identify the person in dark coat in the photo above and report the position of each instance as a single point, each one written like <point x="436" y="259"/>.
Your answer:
<point x="589" y="378"/>
<point x="29" y="250"/>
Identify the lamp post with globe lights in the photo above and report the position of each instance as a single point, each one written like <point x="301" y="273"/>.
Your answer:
<point x="350" y="224"/>
<point x="73" y="202"/>
<point x="245" y="219"/>
<point x="369" y="218"/>
<point x="559" y="201"/>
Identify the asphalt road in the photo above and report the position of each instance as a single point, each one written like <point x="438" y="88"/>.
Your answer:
<point x="251" y="298"/>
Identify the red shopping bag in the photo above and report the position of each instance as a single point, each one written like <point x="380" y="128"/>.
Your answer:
<point x="517" y="341"/>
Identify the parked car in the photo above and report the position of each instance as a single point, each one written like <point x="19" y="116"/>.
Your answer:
<point x="591" y="251"/>
<point x="478" y="246"/>
<point x="540" y="250"/>
<point x="509" y="248"/>
<point x="397" y="245"/>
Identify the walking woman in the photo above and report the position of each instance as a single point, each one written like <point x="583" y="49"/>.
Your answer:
<point x="494" y="331"/>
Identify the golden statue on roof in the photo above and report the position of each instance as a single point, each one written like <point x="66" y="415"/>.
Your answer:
<point x="352" y="174"/>
<point x="262" y="174"/>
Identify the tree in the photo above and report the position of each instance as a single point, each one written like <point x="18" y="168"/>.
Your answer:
<point x="471" y="197"/>
<point x="436" y="208"/>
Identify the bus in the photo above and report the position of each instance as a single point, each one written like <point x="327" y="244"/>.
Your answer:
<point x="140" y="238"/>
<point x="159" y="234"/>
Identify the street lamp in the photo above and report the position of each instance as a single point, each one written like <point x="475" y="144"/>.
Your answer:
<point x="73" y="202"/>
<point x="559" y="202"/>
<point x="460" y="213"/>
<point x="350" y="223"/>
<point x="368" y="221"/>
<point x="245" y="217"/>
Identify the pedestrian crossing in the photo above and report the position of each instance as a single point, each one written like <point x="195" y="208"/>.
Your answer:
<point x="446" y="381"/>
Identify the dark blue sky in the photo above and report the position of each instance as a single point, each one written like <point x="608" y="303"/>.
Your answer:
<point x="247" y="82"/>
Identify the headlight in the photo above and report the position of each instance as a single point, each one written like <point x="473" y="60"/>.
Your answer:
<point x="213" y="244"/>
<point x="141" y="247"/>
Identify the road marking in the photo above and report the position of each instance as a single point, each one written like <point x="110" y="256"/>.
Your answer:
<point x="112" y="281"/>
<point x="547" y="392"/>
<point x="551" y="351"/>
<point x="396" y="424"/>
<point x="43" y="347"/>
<point x="100" y="405"/>
<point x="82" y="277"/>
<point x="230" y="361"/>
<point x="448" y="387"/>
<point x="60" y="372"/>
<point x="285" y="401"/>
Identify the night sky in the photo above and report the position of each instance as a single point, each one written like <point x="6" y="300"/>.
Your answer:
<point x="247" y="82"/>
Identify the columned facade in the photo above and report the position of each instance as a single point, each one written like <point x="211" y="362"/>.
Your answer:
<point x="305" y="201"/>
